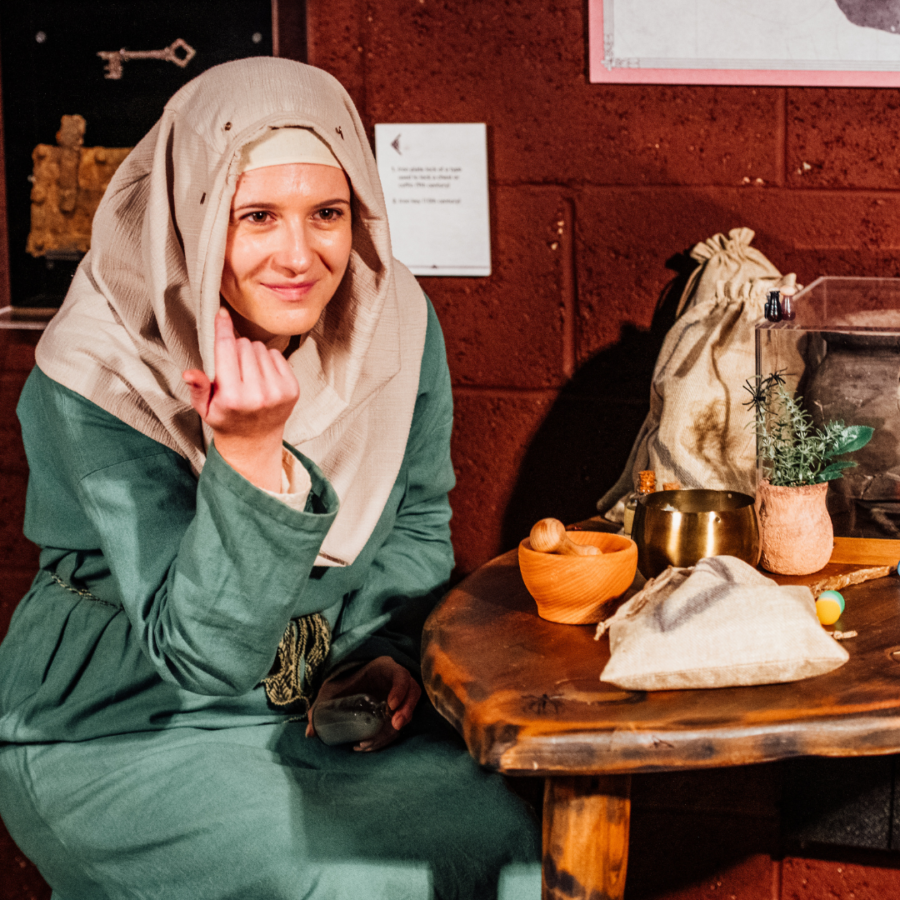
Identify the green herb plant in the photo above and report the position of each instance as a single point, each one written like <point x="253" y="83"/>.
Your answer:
<point x="789" y="448"/>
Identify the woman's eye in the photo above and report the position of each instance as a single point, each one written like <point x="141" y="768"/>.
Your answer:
<point x="258" y="216"/>
<point x="330" y="215"/>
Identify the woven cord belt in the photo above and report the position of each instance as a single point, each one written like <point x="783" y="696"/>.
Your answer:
<point x="295" y="674"/>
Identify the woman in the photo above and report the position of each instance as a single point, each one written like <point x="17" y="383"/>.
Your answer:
<point x="218" y="555"/>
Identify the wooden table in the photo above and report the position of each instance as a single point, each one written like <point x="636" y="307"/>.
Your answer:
<point x="526" y="696"/>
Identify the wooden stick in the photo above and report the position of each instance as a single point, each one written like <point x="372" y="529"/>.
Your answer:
<point x="845" y="579"/>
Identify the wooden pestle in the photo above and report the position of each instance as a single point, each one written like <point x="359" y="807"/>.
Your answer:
<point x="549" y="536"/>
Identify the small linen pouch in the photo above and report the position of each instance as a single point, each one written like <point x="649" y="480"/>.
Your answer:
<point x="718" y="624"/>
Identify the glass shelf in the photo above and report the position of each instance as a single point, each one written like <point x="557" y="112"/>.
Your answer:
<point x="24" y="318"/>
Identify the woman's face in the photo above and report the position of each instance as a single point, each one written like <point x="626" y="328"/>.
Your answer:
<point x="288" y="246"/>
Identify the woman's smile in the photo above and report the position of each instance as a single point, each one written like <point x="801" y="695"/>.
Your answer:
<point x="289" y="292"/>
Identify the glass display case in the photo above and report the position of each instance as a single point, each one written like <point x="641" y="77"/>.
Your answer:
<point x="841" y="351"/>
<point x="106" y="70"/>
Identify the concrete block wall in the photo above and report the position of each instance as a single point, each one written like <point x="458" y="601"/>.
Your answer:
<point x="597" y="192"/>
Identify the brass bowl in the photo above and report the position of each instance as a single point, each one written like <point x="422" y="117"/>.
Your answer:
<point x="679" y="528"/>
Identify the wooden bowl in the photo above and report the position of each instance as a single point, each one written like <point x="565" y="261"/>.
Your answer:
<point x="575" y="590"/>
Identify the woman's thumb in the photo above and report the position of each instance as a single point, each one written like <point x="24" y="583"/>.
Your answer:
<point x="201" y="390"/>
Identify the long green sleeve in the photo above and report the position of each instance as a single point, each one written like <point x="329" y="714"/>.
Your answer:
<point x="208" y="572"/>
<point x="162" y="598"/>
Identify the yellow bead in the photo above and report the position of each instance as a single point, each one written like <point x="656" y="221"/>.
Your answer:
<point x="828" y="609"/>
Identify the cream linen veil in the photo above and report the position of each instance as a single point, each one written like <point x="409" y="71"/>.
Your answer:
<point x="141" y="307"/>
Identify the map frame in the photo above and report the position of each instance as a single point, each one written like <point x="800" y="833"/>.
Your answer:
<point x="628" y="71"/>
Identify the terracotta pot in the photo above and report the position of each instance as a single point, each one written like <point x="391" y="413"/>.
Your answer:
<point x="795" y="531"/>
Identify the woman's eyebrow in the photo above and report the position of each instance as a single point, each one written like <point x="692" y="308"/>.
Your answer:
<point x="274" y="204"/>
<point x="257" y="204"/>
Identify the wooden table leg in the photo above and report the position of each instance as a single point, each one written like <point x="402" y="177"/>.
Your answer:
<point x="586" y="822"/>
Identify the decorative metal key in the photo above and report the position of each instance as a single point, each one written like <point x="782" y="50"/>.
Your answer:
<point x="115" y="58"/>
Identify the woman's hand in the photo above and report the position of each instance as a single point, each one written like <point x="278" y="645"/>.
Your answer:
<point x="382" y="678"/>
<point x="247" y="405"/>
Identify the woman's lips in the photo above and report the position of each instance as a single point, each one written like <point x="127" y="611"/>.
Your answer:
<point x="297" y="291"/>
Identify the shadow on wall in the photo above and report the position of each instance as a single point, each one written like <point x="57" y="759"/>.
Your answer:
<point x="583" y="444"/>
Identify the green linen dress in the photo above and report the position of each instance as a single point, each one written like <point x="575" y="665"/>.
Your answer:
<point x="140" y="757"/>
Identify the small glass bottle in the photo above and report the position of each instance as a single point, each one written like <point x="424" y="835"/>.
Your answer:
<point x="788" y="313"/>
<point x="646" y="485"/>
<point x="773" y="306"/>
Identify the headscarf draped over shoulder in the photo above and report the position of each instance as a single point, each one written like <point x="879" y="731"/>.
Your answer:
<point x="142" y="305"/>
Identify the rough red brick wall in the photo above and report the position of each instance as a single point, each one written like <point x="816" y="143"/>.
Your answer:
<point x="596" y="190"/>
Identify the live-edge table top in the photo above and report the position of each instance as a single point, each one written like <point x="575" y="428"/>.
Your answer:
<point x="526" y="695"/>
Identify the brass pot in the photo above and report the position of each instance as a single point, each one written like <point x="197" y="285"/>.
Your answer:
<point x="679" y="528"/>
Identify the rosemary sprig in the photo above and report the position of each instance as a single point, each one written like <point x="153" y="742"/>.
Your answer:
<point x="789" y="447"/>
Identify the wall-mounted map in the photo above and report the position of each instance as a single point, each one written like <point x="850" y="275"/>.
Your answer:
<point x="773" y="42"/>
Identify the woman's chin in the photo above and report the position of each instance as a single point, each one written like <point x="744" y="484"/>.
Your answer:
<point x="267" y="328"/>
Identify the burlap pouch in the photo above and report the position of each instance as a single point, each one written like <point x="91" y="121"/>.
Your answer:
<point x="718" y="624"/>
<point x="697" y="429"/>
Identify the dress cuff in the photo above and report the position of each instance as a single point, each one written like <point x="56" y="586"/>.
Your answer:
<point x="295" y="482"/>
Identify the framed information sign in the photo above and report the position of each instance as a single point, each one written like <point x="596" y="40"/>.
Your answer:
<point x="435" y="181"/>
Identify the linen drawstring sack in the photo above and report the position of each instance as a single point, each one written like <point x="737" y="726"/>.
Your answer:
<point x="717" y="624"/>
<point x="697" y="429"/>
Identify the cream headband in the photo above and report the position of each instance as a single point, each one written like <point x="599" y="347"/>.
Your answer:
<point x="282" y="146"/>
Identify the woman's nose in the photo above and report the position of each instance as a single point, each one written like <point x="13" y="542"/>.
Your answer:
<point x="294" y="252"/>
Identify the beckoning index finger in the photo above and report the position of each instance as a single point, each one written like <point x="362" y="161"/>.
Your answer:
<point x="228" y="370"/>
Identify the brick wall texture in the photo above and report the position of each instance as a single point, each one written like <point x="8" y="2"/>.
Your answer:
<point x="597" y="193"/>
